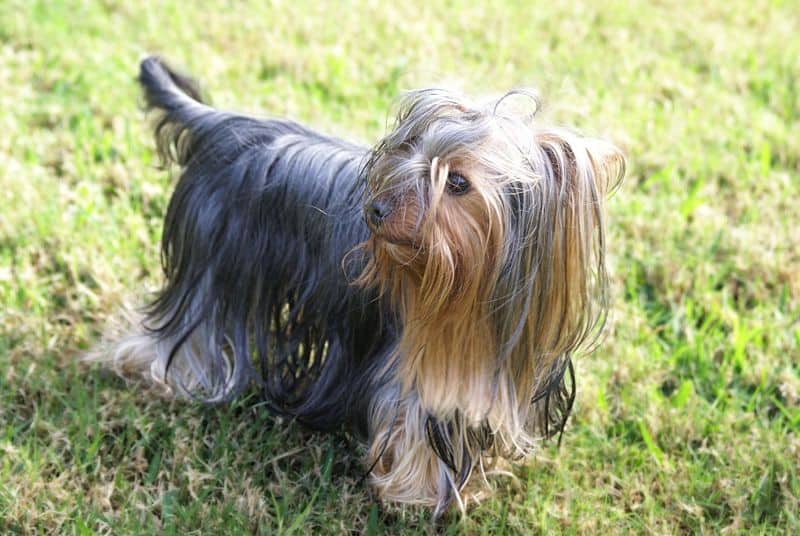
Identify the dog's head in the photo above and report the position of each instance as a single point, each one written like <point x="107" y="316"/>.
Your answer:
<point x="488" y="239"/>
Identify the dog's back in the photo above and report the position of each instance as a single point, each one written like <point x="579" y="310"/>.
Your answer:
<point x="262" y="216"/>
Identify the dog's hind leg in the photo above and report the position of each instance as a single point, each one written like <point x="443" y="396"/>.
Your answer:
<point x="171" y="367"/>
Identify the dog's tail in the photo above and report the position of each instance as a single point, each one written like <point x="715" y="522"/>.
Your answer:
<point x="164" y="88"/>
<point x="179" y="106"/>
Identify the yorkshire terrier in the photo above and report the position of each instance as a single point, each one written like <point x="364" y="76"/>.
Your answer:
<point x="428" y="293"/>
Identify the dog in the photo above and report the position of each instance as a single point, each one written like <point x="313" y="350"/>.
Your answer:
<point x="427" y="294"/>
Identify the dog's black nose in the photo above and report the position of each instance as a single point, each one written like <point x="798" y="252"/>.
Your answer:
<point x="377" y="211"/>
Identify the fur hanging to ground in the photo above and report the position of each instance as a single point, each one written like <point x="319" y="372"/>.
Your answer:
<point x="429" y="293"/>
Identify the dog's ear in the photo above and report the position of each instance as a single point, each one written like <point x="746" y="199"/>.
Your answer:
<point x="553" y="285"/>
<point x="576" y="174"/>
<point x="608" y="164"/>
<point x="573" y="157"/>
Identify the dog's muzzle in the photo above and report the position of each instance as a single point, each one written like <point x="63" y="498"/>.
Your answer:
<point x="377" y="211"/>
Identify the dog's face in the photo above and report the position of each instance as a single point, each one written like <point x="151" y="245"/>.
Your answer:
<point x="488" y="239"/>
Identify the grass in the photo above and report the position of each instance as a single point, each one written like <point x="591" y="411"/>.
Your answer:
<point x="688" y="417"/>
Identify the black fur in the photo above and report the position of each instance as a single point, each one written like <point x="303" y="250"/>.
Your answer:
<point x="262" y="217"/>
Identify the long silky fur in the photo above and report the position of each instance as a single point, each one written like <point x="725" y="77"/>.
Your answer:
<point x="444" y="370"/>
<point x="262" y="216"/>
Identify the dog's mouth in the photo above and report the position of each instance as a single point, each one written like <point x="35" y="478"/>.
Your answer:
<point x="401" y="251"/>
<point x="395" y="242"/>
<point x="393" y="233"/>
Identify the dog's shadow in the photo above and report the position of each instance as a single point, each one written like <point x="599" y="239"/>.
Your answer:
<point x="271" y="469"/>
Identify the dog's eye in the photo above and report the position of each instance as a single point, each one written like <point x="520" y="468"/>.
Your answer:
<point x="457" y="184"/>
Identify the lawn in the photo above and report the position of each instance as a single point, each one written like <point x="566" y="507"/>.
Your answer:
<point x="688" y="415"/>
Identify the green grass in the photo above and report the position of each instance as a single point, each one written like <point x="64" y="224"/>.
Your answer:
<point x="687" y="418"/>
